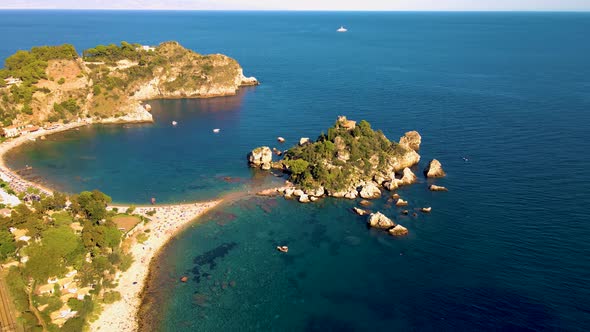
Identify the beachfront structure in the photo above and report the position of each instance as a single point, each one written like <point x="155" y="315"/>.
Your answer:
<point x="29" y="129"/>
<point x="11" y="131"/>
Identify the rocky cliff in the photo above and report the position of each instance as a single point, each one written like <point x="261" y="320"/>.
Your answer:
<point x="110" y="82"/>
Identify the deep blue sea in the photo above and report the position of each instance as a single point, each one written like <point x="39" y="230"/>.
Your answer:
<point x="506" y="249"/>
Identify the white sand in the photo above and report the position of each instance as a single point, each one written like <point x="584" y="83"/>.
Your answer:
<point x="166" y="223"/>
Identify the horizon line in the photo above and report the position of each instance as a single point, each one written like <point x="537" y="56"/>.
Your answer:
<point x="310" y="10"/>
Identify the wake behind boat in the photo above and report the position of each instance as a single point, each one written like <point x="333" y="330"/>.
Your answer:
<point x="342" y="29"/>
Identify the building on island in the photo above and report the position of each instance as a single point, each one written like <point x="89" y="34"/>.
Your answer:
<point x="146" y="48"/>
<point x="12" y="81"/>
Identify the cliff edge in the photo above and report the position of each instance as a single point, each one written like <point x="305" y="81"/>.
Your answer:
<point x="108" y="83"/>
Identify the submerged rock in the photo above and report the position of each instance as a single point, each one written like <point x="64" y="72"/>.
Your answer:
<point x="364" y="202"/>
<point x="379" y="220"/>
<point x="434" y="169"/>
<point x="398" y="230"/>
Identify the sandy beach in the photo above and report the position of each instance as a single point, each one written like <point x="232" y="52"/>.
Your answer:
<point x="168" y="221"/>
<point x="17" y="183"/>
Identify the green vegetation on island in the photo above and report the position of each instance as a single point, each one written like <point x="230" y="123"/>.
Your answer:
<point x="54" y="84"/>
<point x="62" y="255"/>
<point x="350" y="160"/>
<point x="347" y="154"/>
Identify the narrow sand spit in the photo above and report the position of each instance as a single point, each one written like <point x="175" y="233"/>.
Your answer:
<point x="168" y="221"/>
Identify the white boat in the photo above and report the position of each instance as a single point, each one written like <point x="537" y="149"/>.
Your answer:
<point x="174" y="123"/>
<point x="342" y="29"/>
<point x="216" y="130"/>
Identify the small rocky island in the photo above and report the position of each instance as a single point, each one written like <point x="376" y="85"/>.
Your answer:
<point x="352" y="160"/>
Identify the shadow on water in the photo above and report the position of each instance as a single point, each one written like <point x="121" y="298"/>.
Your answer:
<point x="209" y="259"/>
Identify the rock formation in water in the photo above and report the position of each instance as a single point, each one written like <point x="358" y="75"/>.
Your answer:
<point x="261" y="158"/>
<point x="434" y="187"/>
<point x="398" y="230"/>
<point x="351" y="160"/>
<point x="370" y="190"/>
<point x="412" y="140"/>
<point x="379" y="220"/>
<point x="434" y="169"/>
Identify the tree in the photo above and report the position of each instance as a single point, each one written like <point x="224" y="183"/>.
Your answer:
<point x="7" y="244"/>
<point x="59" y="248"/>
<point x="93" y="205"/>
<point x="297" y="166"/>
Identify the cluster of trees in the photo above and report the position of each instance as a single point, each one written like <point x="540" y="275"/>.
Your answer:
<point x="56" y="246"/>
<point x="113" y="53"/>
<point x="30" y="67"/>
<point x="317" y="164"/>
<point x="71" y="106"/>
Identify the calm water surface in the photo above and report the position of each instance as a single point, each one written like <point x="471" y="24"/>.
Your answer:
<point x="505" y="249"/>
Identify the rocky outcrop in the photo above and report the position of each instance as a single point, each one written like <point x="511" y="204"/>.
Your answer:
<point x="345" y="123"/>
<point x="317" y="192"/>
<point x="412" y="140"/>
<point x="379" y="220"/>
<point x="370" y="191"/>
<point x="401" y="202"/>
<point x="247" y="81"/>
<point x="398" y="230"/>
<point x="408" y="159"/>
<point x="434" y="187"/>
<point x="408" y="177"/>
<point x="360" y="212"/>
<point x="260" y="158"/>
<point x="134" y="114"/>
<point x="304" y="198"/>
<point x="304" y="140"/>
<point x="106" y="92"/>
<point x="434" y="169"/>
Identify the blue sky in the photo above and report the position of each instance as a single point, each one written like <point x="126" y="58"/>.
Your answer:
<point x="434" y="5"/>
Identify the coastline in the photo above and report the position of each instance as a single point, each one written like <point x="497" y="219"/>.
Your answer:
<point x="16" y="182"/>
<point x="166" y="223"/>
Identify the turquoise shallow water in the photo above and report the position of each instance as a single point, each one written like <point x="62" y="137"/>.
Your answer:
<point x="505" y="249"/>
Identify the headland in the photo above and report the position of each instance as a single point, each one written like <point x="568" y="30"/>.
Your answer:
<point x="52" y="89"/>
